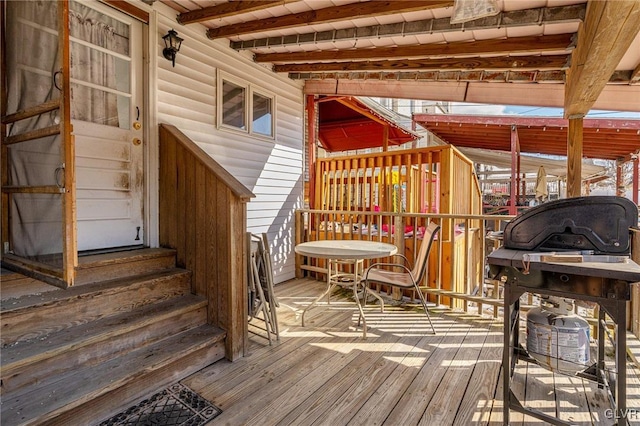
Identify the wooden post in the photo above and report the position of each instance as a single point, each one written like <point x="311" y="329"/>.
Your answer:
<point x="385" y="137"/>
<point x="514" y="173"/>
<point x="235" y="279"/>
<point x="574" y="158"/>
<point x="636" y="182"/>
<point x="619" y="181"/>
<point x="69" y="241"/>
<point x="311" y="148"/>
<point x="398" y="241"/>
<point x="6" y="198"/>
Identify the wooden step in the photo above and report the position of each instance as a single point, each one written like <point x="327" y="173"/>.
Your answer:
<point x="44" y="360"/>
<point x="120" y="264"/>
<point x="35" y="316"/>
<point x="13" y="285"/>
<point x="92" y="394"/>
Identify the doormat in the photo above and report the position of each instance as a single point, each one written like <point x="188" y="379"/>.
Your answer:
<point x="175" y="405"/>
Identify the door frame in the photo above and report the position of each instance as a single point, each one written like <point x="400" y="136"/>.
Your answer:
<point x="110" y="157"/>
<point x="65" y="277"/>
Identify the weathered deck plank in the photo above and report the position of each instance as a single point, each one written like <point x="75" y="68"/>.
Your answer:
<point x="420" y="391"/>
<point x="480" y="392"/>
<point x="327" y="374"/>
<point x="385" y="398"/>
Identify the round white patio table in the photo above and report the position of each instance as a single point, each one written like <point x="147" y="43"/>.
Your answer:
<point x="345" y="252"/>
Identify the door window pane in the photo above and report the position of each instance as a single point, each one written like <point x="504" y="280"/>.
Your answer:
<point x="100" y="67"/>
<point x="99" y="29"/>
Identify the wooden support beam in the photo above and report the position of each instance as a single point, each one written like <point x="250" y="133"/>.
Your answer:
<point x="553" y="43"/>
<point x="69" y="240"/>
<point x="223" y="10"/>
<point x="5" y="242"/>
<point x="504" y="20"/>
<point x="521" y="121"/>
<point x="619" y="178"/>
<point x="326" y="15"/>
<point x="385" y="137"/>
<point x="312" y="129"/>
<point x="517" y="76"/>
<point x="574" y="158"/>
<point x="349" y="103"/>
<point x="636" y="180"/>
<point x="515" y="153"/>
<point x="603" y="39"/>
<point x="547" y="62"/>
<point x="635" y="75"/>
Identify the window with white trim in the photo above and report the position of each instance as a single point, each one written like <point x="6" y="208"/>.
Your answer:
<point x="245" y="107"/>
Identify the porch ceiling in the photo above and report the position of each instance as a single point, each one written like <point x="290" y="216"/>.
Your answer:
<point x="608" y="139"/>
<point x="566" y="53"/>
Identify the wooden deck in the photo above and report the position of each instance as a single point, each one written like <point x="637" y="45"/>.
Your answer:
<point x="326" y="374"/>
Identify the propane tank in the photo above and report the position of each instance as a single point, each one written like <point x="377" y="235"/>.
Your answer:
<point x="556" y="338"/>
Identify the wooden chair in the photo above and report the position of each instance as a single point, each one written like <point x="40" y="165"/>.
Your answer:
<point x="407" y="279"/>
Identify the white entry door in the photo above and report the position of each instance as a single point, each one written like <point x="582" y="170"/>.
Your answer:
<point x="106" y="104"/>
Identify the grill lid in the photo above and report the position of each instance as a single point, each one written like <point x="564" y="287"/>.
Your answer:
<point x="598" y="223"/>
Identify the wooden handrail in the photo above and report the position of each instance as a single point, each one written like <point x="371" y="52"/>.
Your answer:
<point x="203" y="216"/>
<point x="234" y="184"/>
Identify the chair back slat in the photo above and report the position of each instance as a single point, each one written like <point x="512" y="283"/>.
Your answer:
<point x="420" y="264"/>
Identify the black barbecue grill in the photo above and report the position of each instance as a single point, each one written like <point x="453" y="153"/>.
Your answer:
<point x="576" y="248"/>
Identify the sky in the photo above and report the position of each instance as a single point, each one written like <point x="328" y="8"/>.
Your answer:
<point x="483" y="109"/>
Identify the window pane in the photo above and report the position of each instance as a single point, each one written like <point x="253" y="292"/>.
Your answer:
<point x="233" y="105"/>
<point x="262" y="115"/>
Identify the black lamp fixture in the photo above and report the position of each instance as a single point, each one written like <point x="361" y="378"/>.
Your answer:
<point x="172" y="46"/>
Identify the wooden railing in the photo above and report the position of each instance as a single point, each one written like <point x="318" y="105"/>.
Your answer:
<point x="425" y="180"/>
<point x="456" y="275"/>
<point x="203" y="216"/>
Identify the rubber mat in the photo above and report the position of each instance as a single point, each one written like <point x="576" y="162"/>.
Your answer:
<point x="175" y="405"/>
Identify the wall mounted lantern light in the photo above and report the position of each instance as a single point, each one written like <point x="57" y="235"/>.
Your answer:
<point x="172" y="46"/>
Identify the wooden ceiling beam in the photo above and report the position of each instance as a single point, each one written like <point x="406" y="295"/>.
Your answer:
<point x="549" y="62"/>
<point x="534" y="44"/>
<point x="557" y="76"/>
<point x="350" y="103"/>
<point x="456" y="120"/>
<point x="635" y="75"/>
<point x="227" y="9"/>
<point x="605" y="36"/>
<point x="328" y="14"/>
<point x="512" y="19"/>
<point x="463" y="76"/>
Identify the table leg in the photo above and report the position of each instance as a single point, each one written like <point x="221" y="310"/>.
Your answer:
<point x="330" y="286"/>
<point x="357" y="280"/>
<point x="364" y="319"/>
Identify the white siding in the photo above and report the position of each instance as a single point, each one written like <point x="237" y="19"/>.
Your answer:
<point x="271" y="169"/>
